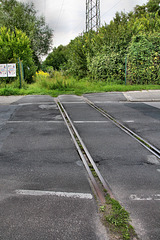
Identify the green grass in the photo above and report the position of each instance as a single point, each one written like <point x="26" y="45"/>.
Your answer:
<point x="117" y="219"/>
<point x="59" y="84"/>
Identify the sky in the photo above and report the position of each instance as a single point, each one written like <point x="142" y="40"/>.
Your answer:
<point x="67" y="17"/>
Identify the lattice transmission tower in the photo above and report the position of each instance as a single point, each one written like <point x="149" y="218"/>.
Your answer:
<point x="92" y="15"/>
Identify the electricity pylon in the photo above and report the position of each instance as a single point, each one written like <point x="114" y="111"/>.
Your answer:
<point x="92" y="15"/>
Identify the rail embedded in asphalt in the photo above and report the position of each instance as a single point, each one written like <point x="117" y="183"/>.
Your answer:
<point x="85" y="156"/>
<point x="138" y="138"/>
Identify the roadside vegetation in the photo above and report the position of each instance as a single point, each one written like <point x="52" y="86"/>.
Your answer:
<point x="129" y="44"/>
<point x="59" y="84"/>
<point x="123" y="55"/>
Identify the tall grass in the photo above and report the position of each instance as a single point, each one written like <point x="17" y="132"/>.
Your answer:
<point x="55" y="80"/>
<point x="56" y="83"/>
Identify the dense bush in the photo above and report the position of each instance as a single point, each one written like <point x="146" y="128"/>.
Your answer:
<point x="101" y="56"/>
<point x="144" y="59"/>
<point x="56" y="58"/>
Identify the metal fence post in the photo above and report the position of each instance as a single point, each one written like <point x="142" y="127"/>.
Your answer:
<point x="19" y="68"/>
<point x="126" y="70"/>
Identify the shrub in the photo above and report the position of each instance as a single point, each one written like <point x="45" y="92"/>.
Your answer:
<point x="144" y="59"/>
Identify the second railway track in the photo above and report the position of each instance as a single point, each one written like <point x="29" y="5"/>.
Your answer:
<point x="84" y="153"/>
<point x="138" y="138"/>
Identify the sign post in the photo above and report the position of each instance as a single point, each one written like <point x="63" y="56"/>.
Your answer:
<point x="126" y="70"/>
<point x="9" y="70"/>
<point x="19" y="67"/>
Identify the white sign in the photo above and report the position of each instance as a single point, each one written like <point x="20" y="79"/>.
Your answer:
<point x="3" y="70"/>
<point x="11" y="70"/>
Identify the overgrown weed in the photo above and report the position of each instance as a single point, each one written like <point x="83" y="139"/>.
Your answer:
<point x="54" y="80"/>
<point x="56" y="83"/>
<point x="117" y="220"/>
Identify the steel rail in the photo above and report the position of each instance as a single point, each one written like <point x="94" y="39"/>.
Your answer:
<point x="138" y="138"/>
<point x="85" y="155"/>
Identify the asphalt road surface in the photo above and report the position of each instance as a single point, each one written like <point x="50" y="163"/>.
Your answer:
<point x="141" y="117"/>
<point x="132" y="172"/>
<point x="44" y="188"/>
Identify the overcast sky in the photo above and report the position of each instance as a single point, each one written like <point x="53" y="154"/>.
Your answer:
<point x="67" y="17"/>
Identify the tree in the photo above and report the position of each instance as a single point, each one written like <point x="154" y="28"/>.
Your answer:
<point x="1" y="15"/>
<point x="24" y="17"/>
<point x="140" y="10"/>
<point x="77" y="57"/>
<point x="13" y="45"/>
<point x="101" y="55"/>
<point x="57" y="57"/>
<point x="153" y="6"/>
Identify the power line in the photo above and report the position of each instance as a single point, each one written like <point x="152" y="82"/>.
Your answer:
<point x="44" y="7"/>
<point x="111" y="8"/>
<point x="59" y="15"/>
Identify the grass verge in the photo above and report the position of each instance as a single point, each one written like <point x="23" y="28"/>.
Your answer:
<point x="70" y="86"/>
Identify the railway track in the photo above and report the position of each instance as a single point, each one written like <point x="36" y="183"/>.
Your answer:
<point x="86" y="156"/>
<point x="139" y="184"/>
<point x="138" y="138"/>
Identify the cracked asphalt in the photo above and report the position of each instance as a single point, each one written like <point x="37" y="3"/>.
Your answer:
<point x="40" y="166"/>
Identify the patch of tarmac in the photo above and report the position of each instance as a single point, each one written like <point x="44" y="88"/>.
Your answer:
<point x="5" y="100"/>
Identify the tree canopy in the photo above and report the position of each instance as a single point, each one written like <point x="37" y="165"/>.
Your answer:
<point x="101" y="55"/>
<point x="13" y="45"/>
<point x="57" y="57"/>
<point x="24" y="17"/>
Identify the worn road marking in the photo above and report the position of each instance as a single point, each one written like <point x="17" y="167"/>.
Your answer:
<point x="36" y="103"/>
<point x="153" y="159"/>
<point x="90" y="121"/>
<point x="71" y="102"/>
<point x="101" y="102"/>
<point x="52" y="193"/>
<point x="129" y="121"/>
<point x="35" y="121"/>
<point x="48" y="106"/>
<point x="158" y="170"/>
<point x="155" y="197"/>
